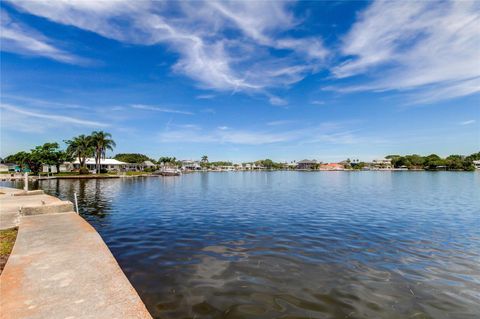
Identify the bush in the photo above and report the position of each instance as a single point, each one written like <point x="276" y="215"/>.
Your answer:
<point x="83" y="170"/>
<point x="103" y="171"/>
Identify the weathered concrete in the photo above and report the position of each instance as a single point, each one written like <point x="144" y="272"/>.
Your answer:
<point x="29" y="193"/>
<point x="10" y="204"/>
<point x="51" y="208"/>
<point x="61" y="268"/>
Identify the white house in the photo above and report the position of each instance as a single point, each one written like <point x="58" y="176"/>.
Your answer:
<point x="191" y="165"/>
<point x="477" y="164"/>
<point x="382" y="163"/>
<point x="108" y="164"/>
<point x="148" y="164"/>
<point x="9" y="167"/>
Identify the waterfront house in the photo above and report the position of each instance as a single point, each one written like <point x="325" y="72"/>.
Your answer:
<point x="307" y="164"/>
<point x="148" y="164"/>
<point x="384" y="163"/>
<point x="191" y="165"/>
<point x="109" y="164"/>
<point x="291" y="165"/>
<point x="9" y="167"/>
<point x="139" y="167"/>
<point x="476" y="164"/>
<point x="332" y="167"/>
<point x="253" y="166"/>
<point x="66" y="167"/>
<point x="49" y="168"/>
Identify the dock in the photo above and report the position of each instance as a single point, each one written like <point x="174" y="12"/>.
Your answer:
<point x="60" y="267"/>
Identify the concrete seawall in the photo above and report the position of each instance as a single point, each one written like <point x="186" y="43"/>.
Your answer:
<point x="60" y="267"/>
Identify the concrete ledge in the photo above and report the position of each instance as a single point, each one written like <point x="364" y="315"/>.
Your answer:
<point x="51" y="208"/>
<point x="28" y="193"/>
<point x="61" y="268"/>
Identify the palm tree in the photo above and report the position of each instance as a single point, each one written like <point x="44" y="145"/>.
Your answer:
<point x="101" y="142"/>
<point x="80" y="147"/>
<point x="204" y="159"/>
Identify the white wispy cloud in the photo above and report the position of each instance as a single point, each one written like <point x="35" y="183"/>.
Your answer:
<point x="159" y="109"/>
<point x="468" y="122"/>
<point x="205" y="96"/>
<point x="51" y="117"/>
<point x="429" y="46"/>
<point x="221" y="136"/>
<point x="19" y="38"/>
<point x="43" y="103"/>
<point x="280" y="122"/>
<point x="275" y="100"/>
<point x="326" y="133"/>
<point x="200" y="32"/>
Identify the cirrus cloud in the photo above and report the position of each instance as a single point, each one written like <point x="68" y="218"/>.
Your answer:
<point x="222" y="45"/>
<point x="429" y="46"/>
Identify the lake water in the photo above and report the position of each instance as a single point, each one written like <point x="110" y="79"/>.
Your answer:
<point x="293" y="244"/>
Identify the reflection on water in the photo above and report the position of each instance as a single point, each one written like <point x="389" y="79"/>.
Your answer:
<point x="292" y="244"/>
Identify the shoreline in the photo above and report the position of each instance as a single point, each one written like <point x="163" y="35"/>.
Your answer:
<point x="59" y="257"/>
<point x="17" y="177"/>
<point x="45" y="178"/>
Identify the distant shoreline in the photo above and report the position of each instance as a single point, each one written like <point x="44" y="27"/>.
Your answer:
<point x="17" y="177"/>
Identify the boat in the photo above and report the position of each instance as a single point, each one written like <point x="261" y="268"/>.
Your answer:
<point x="166" y="171"/>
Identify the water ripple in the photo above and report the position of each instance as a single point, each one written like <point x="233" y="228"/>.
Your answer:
<point x="291" y="244"/>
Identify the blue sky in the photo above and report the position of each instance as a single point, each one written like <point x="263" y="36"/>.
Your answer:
<point x="244" y="80"/>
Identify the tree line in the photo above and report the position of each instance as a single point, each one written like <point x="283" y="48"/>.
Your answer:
<point x="79" y="147"/>
<point x="98" y="143"/>
<point x="434" y="162"/>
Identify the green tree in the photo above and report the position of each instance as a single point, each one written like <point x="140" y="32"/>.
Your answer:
<point x="48" y="154"/>
<point x="101" y="142"/>
<point x="132" y="158"/>
<point x="473" y="157"/>
<point x="414" y="161"/>
<point x="21" y="158"/>
<point x="204" y="162"/>
<point x="80" y="147"/>
<point x="359" y="165"/>
<point x="168" y="161"/>
<point x="433" y="161"/>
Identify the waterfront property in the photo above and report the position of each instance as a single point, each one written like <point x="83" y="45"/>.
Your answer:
<point x="107" y="164"/>
<point x="476" y="164"/>
<point x="189" y="244"/>
<point x="60" y="267"/>
<point x="384" y="163"/>
<point x="190" y="165"/>
<point x="9" y="167"/>
<point x="332" y="167"/>
<point x="307" y="164"/>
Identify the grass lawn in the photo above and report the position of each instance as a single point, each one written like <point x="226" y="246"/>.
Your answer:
<point x="7" y="239"/>
<point x="137" y="173"/>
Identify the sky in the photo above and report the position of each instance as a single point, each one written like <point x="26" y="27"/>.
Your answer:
<point x="242" y="81"/>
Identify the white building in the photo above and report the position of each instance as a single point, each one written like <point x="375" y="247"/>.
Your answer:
<point x="191" y="165"/>
<point x="9" y="167"/>
<point x="148" y="164"/>
<point x="108" y="164"/>
<point x="476" y="164"/>
<point x="385" y="163"/>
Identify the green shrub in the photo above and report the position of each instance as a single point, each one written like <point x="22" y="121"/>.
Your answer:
<point x="84" y="170"/>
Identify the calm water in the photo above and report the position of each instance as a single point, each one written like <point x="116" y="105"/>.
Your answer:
<point x="293" y="244"/>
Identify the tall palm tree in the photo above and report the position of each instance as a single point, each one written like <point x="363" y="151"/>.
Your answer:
<point x="80" y="147"/>
<point x="101" y="142"/>
<point x="204" y="159"/>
